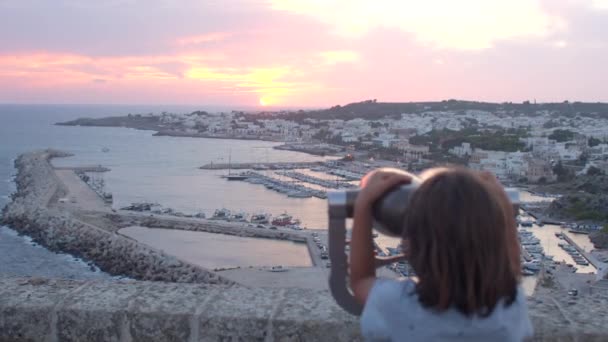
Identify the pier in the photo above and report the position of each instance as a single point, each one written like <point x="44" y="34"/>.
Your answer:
<point x="337" y="184"/>
<point x="260" y="166"/>
<point x="290" y="188"/>
<point x="88" y="168"/>
<point x="599" y="266"/>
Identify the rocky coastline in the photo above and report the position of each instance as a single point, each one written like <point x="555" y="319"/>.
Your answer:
<point x="33" y="212"/>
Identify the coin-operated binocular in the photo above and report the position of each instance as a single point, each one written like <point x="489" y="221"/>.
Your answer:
<point x="388" y="213"/>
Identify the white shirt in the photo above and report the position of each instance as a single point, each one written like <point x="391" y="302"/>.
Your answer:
<point x="393" y="313"/>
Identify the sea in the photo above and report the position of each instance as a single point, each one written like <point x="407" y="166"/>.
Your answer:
<point x="143" y="167"/>
<point x="159" y="169"/>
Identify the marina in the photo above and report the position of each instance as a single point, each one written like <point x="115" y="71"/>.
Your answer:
<point x="337" y="184"/>
<point x="260" y="166"/>
<point x="289" y="188"/>
<point x="585" y="258"/>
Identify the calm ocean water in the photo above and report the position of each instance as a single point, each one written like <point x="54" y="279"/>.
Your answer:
<point x="144" y="168"/>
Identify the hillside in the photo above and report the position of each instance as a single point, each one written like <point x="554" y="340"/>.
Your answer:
<point x="373" y="110"/>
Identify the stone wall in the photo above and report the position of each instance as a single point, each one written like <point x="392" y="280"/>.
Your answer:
<point x="34" y="309"/>
<point x="203" y="225"/>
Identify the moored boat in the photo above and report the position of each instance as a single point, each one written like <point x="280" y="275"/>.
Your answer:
<point x="221" y="214"/>
<point x="260" y="218"/>
<point x="284" y="220"/>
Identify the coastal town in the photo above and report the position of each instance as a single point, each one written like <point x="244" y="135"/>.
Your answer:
<point x="522" y="145"/>
<point x="545" y="147"/>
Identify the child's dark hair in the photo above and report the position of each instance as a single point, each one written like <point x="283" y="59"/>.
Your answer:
<point x="462" y="242"/>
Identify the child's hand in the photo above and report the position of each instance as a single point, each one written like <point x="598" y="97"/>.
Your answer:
<point x="377" y="183"/>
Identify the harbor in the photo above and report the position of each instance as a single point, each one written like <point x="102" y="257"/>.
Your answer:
<point x="268" y="222"/>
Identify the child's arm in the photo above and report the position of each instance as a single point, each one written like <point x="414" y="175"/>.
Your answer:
<point x="362" y="263"/>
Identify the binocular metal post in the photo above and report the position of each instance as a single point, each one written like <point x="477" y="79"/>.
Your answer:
<point x="337" y="254"/>
<point x="340" y="208"/>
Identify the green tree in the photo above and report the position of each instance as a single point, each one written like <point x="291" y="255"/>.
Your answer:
<point x="593" y="142"/>
<point x="561" y="135"/>
<point x="563" y="174"/>
<point x="594" y="171"/>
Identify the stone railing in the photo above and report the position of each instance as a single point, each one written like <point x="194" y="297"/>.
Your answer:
<point x="34" y="309"/>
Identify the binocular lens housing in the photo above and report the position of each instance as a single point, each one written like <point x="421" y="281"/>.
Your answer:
<point x="389" y="211"/>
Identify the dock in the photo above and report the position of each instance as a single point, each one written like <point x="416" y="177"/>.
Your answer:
<point x="88" y="168"/>
<point x="599" y="266"/>
<point x="260" y="166"/>
<point x="326" y="183"/>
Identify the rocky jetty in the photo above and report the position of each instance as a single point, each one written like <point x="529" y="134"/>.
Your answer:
<point x="33" y="212"/>
<point x="122" y="220"/>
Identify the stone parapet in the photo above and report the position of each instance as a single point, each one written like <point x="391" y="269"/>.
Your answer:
<point x="34" y="309"/>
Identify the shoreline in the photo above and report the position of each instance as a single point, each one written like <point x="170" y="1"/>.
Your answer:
<point x="60" y="212"/>
<point x="159" y="131"/>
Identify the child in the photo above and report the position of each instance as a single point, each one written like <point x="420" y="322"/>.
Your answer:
<point x="461" y="240"/>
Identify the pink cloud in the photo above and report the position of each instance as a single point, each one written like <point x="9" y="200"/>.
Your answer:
<point x="239" y="54"/>
<point x="203" y="38"/>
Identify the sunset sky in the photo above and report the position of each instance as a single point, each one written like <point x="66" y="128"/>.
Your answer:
<point x="301" y="52"/>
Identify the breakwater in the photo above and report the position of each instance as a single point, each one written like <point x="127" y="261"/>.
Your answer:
<point x="201" y="225"/>
<point x="34" y="211"/>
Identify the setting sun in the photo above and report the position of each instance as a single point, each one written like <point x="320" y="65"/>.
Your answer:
<point x="264" y="101"/>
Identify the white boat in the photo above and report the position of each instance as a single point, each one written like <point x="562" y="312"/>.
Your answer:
<point x="527" y="272"/>
<point x="530" y="241"/>
<point x="221" y="214"/>
<point x="534" y="266"/>
<point x="298" y="194"/>
<point x="260" y="218"/>
<point x="239" y="217"/>
<point x="534" y="248"/>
